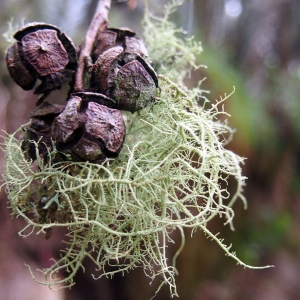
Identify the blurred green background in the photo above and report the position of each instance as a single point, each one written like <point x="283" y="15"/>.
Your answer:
<point x="251" y="45"/>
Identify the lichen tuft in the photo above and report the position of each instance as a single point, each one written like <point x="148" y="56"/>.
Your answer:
<point x="172" y="174"/>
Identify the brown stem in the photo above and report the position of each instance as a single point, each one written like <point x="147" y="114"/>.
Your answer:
<point x="98" y="23"/>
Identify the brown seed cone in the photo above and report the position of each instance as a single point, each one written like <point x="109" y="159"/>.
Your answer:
<point x="107" y="125"/>
<point x="134" y="87"/>
<point x="96" y="97"/>
<point x="126" y="78"/>
<point x="135" y="45"/>
<point x="32" y="27"/>
<point x="122" y="37"/>
<point x="40" y="131"/>
<point x="88" y="130"/>
<point x="67" y="122"/>
<point x="65" y="40"/>
<point x="102" y="68"/>
<point x="20" y="70"/>
<point x="45" y="52"/>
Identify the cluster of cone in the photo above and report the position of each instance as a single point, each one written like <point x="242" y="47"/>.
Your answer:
<point x="90" y="126"/>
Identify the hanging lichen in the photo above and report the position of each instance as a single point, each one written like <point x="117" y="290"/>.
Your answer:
<point x="172" y="173"/>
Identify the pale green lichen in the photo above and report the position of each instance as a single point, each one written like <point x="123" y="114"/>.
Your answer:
<point x="9" y="34"/>
<point x="172" y="56"/>
<point x="172" y="174"/>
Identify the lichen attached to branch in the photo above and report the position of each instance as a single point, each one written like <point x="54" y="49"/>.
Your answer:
<point x="172" y="174"/>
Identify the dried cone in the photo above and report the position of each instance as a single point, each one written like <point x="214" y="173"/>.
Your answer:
<point x="126" y="78"/>
<point x="88" y="131"/>
<point x="122" y="37"/>
<point x="100" y="79"/>
<point x="40" y="131"/>
<point x="134" y="87"/>
<point x="20" y="70"/>
<point x="45" y="53"/>
<point x="96" y="97"/>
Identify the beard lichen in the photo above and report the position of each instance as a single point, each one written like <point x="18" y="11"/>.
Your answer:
<point x="172" y="174"/>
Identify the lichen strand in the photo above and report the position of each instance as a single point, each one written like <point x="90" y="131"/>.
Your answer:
<point x="170" y="55"/>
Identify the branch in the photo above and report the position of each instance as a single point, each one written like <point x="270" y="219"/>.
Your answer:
<point x="98" y="23"/>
